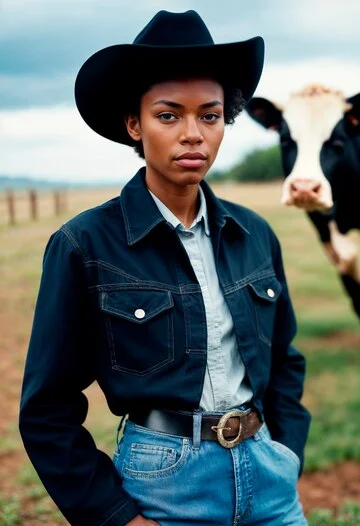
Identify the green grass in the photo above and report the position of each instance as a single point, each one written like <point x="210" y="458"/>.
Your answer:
<point x="10" y="511"/>
<point x="349" y="515"/>
<point x="10" y="443"/>
<point x="325" y="322"/>
<point x="331" y="390"/>
<point x="13" y="514"/>
<point x="42" y="507"/>
<point x="335" y="426"/>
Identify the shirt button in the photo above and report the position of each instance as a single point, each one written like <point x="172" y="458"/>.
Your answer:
<point x="270" y="293"/>
<point x="139" y="314"/>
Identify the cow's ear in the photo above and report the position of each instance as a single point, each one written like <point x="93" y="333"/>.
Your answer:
<point x="264" y="112"/>
<point x="352" y="113"/>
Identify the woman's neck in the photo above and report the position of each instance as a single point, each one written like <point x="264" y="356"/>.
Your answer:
<point x="183" y="202"/>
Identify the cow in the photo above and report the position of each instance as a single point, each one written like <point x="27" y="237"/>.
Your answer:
<point x="319" y="133"/>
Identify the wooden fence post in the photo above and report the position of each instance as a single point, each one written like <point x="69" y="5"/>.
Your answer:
<point x="57" y="202"/>
<point x="63" y="200"/>
<point x="60" y="201"/>
<point x="33" y="204"/>
<point x="11" y="207"/>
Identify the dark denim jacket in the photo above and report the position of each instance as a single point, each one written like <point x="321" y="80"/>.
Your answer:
<point x="99" y="268"/>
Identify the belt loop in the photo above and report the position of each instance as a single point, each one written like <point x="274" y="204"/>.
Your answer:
<point x="197" y="429"/>
<point x="120" y="428"/>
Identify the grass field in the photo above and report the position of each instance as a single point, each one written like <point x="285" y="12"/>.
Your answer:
<point x="328" y="334"/>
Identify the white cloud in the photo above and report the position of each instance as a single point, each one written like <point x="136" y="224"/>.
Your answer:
<point x="323" y="18"/>
<point x="279" y="80"/>
<point x="54" y="142"/>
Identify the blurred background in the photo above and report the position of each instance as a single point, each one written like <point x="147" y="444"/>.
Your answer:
<point x="53" y="166"/>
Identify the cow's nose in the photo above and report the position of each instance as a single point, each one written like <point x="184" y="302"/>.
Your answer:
<point x="305" y="188"/>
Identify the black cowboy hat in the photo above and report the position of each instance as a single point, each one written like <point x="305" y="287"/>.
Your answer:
<point x="170" y="45"/>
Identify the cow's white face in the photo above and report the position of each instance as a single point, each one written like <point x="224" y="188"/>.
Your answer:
<point x="311" y="119"/>
<point x="305" y="123"/>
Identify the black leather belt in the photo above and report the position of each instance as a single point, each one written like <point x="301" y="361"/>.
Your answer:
<point x="229" y="429"/>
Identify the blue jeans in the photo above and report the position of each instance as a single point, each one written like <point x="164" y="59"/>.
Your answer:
<point x="178" y="481"/>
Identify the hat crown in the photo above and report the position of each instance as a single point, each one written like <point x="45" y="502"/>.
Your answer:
<point x="171" y="45"/>
<point x="175" y="29"/>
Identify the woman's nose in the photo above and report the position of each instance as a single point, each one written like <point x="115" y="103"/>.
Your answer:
<point x="191" y="132"/>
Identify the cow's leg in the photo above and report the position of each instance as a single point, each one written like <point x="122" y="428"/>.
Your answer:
<point x="352" y="287"/>
<point x="343" y="253"/>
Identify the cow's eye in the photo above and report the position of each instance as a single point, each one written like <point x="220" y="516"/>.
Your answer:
<point x="338" y="145"/>
<point x="285" y="141"/>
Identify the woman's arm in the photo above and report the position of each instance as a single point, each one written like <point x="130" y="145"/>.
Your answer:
<point x="80" y="479"/>
<point x="287" y="419"/>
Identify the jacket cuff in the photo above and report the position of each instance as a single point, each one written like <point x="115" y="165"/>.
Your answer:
<point x="297" y="448"/>
<point x="122" y="515"/>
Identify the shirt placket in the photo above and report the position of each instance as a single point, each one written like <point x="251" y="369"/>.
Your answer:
<point x="215" y="363"/>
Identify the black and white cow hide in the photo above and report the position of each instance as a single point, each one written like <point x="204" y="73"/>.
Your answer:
<point x="319" y="132"/>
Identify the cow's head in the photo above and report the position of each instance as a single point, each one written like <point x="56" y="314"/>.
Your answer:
<point x="314" y="126"/>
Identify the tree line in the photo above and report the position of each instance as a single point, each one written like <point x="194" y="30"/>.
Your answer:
<point x="260" y="165"/>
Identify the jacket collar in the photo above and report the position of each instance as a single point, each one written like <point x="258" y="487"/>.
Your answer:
<point x="141" y="214"/>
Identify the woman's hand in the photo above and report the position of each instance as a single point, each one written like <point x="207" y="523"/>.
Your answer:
<point x="139" y="520"/>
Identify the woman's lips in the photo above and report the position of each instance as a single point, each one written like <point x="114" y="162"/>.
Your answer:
<point x="190" y="163"/>
<point x="191" y="160"/>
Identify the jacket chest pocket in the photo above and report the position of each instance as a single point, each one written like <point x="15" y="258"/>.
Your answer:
<point x="265" y="293"/>
<point x="139" y="326"/>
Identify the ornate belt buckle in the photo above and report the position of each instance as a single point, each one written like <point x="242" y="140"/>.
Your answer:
<point x="219" y="429"/>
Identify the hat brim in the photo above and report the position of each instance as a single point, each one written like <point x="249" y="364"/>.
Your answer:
<point x="109" y="77"/>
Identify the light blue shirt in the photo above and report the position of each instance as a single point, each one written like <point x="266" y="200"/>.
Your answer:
<point x="224" y="383"/>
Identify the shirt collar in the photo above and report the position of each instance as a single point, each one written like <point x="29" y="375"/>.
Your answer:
<point x="141" y="214"/>
<point x="175" y="221"/>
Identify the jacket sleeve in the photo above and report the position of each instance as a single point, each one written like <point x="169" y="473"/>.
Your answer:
<point x="81" y="480"/>
<point x="287" y="419"/>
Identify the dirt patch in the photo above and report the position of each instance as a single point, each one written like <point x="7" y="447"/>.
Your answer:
<point x="334" y="341"/>
<point x="22" y="249"/>
<point x="329" y="489"/>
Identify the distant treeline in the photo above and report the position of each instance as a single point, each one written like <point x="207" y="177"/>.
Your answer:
<point x="259" y="165"/>
<point x="25" y="183"/>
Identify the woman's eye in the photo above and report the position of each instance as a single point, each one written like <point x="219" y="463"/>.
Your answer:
<point x="166" y="116"/>
<point x="210" y="117"/>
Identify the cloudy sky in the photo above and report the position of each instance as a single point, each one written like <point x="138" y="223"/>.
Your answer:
<point x="44" y="42"/>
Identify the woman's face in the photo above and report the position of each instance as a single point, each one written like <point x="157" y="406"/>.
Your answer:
<point x="181" y="126"/>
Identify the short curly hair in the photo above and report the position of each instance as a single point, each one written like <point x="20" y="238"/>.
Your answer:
<point x="233" y="105"/>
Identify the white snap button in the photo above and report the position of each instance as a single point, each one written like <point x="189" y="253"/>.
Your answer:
<point x="139" y="314"/>
<point x="270" y="293"/>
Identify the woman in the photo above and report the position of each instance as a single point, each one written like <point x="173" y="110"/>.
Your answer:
<point x="175" y="302"/>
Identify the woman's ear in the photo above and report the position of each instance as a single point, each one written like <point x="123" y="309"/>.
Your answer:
<point x="133" y="127"/>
